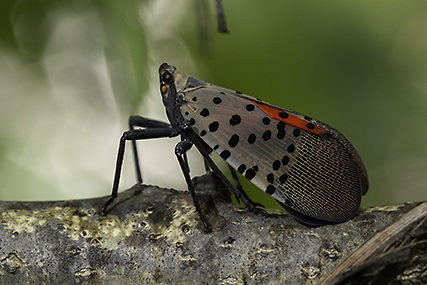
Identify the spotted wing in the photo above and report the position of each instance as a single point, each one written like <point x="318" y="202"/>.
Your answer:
<point x="304" y="164"/>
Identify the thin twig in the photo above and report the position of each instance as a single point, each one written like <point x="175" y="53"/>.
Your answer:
<point x="376" y="245"/>
<point x="222" y="25"/>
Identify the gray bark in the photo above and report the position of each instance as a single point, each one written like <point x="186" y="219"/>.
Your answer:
<point x="154" y="235"/>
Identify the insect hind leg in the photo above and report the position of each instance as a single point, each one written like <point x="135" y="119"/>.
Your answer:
<point x="207" y="168"/>
<point x="138" y="121"/>
<point x="237" y="183"/>
<point x="240" y="195"/>
<point x="240" y="188"/>
<point x="133" y="135"/>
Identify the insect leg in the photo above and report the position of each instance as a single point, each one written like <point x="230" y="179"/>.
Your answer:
<point x="240" y="188"/>
<point x="132" y="135"/>
<point x="236" y="181"/>
<point x="248" y="203"/>
<point x="207" y="168"/>
<point x="139" y="121"/>
<point x="185" y="153"/>
<point x="180" y="149"/>
<point x="146" y="123"/>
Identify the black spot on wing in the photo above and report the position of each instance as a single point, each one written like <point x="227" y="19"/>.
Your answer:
<point x="250" y="174"/>
<point x="270" y="177"/>
<point x="285" y="160"/>
<point x="204" y="112"/>
<point x="241" y="168"/>
<point x="266" y="121"/>
<point x="310" y="126"/>
<point x="283" y="115"/>
<point x="283" y="178"/>
<point x="266" y="135"/>
<point x="234" y="140"/>
<point x="281" y="130"/>
<point x="235" y="120"/>
<point x="250" y="107"/>
<point x="276" y="165"/>
<point x="281" y="126"/>
<point x="213" y="126"/>
<point x="270" y="189"/>
<point x="225" y="154"/>
<point x="251" y="138"/>
<point x="281" y="134"/>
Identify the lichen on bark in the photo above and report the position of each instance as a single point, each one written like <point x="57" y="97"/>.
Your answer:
<point x="154" y="235"/>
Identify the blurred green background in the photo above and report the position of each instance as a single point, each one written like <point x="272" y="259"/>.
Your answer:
<point x="71" y="72"/>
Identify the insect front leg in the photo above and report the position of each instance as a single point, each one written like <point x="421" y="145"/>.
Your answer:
<point x="138" y="121"/>
<point x="180" y="151"/>
<point x="133" y="135"/>
<point x="185" y="153"/>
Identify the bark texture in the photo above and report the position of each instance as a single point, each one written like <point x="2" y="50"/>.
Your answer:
<point x="154" y="235"/>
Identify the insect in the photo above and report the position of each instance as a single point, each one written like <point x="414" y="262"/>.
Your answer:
<point x="311" y="169"/>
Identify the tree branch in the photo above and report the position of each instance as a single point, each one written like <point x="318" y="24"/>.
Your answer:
<point x="154" y="235"/>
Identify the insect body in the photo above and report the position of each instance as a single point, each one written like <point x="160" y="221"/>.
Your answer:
<point x="311" y="169"/>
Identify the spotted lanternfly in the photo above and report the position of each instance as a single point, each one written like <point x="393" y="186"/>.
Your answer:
<point x="311" y="169"/>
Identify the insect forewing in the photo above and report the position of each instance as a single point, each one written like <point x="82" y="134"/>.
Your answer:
<point x="302" y="163"/>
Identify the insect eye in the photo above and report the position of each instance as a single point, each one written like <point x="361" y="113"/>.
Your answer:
<point x="167" y="77"/>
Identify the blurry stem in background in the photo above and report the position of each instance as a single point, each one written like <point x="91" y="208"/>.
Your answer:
<point x="222" y="24"/>
<point x="202" y="21"/>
